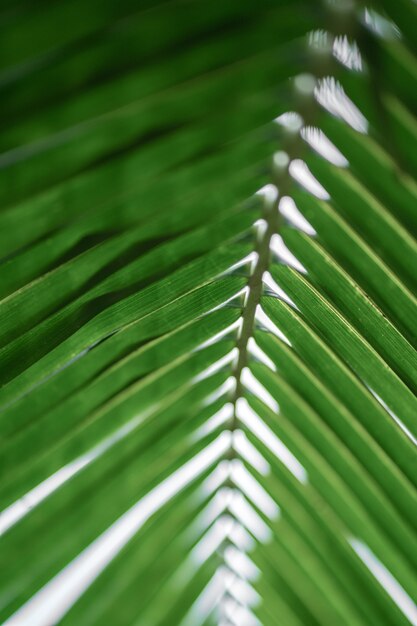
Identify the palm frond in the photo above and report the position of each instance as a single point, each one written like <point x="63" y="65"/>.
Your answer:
<point x="208" y="313"/>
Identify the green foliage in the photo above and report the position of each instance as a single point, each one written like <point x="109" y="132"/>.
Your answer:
<point x="208" y="395"/>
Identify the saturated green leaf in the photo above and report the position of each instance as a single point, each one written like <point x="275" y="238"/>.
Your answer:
<point x="147" y="407"/>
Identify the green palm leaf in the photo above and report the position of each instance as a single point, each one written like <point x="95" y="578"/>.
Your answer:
<point x="208" y="318"/>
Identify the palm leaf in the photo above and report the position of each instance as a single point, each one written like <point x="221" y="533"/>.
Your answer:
<point x="208" y="318"/>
